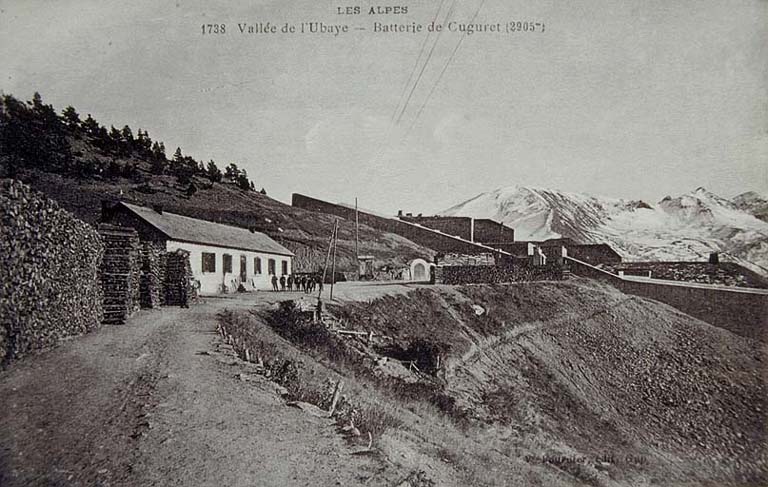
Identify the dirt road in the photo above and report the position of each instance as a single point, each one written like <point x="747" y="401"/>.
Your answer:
<point x="155" y="403"/>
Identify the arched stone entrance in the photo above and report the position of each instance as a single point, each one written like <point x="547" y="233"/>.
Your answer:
<point x="420" y="270"/>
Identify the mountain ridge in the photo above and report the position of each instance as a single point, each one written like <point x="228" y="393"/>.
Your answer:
<point x="686" y="227"/>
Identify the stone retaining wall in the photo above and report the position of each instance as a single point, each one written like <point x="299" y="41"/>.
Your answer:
<point x="738" y="310"/>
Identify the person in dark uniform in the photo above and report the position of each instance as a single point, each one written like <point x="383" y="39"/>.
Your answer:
<point x="282" y="282"/>
<point x="274" y="282"/>
<point x="184" y="285"/>
<point x="290" y="282"/>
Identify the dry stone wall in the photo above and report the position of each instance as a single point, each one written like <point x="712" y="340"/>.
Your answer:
<point x="49" y="275"/>
<point x="740" y="311"/>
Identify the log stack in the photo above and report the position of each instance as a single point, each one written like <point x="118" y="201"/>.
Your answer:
<point x="178" y="279"/>
<point x="49" y="272"/>
<point x="120" y="273"/>
<point x="152" y="275"/>
<point x="487" y="274"/>
<point x="454" y="259"/>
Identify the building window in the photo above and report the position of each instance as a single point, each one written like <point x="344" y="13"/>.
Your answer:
<point x="227" y="263"/>
<point x="209" y="262"/>
<point x="257" y="265"/>
<point x="285" y="267"/>
<point x="271" y="266"/>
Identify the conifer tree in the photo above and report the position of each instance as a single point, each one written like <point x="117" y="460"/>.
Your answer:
<point x="213" y="172"/>
<point x="127" y="134"/>
<point x="71" y="118"/>
<point x="91" y="126"/>
<point x="232" y="172"/>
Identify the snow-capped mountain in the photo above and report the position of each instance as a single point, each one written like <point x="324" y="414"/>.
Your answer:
<point x="688" y="227"/>
<point x="753" y="203"/>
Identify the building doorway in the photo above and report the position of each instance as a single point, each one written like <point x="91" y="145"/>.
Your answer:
<point x="419" y="272"/>
<point x="243" y="269"/>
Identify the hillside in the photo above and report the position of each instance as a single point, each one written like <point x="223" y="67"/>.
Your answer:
<point x="567" y="383"/>
<point x="79" y="163"/>
<point x="687" y="227"/>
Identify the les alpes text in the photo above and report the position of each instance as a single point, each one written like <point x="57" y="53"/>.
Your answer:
<point x="375" y="10"/>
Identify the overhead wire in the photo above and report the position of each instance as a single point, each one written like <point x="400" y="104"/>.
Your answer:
<point x="392" y="122"/>
<point x="426" y="62"/>
<point x="416" y="64"/>
<point x="445" y="67"/>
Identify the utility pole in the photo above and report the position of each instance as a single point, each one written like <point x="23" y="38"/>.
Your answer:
<point x="357" y="241"/>
<point x="327" y="258"/>
<point x="333" y="262"/>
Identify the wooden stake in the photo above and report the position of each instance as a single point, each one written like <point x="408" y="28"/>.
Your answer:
<point x="327" y="258"/>
<point x="336" y="394"/>
<point x="333" y="262"/>
<point x="357" y="241"/>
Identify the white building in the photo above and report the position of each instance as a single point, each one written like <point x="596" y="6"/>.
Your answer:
<point x="222" y="256"/>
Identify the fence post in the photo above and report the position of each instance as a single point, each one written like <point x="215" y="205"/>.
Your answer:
<point x="336" y="393"/>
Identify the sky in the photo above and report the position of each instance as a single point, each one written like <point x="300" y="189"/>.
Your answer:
<point x="628" y="99"/>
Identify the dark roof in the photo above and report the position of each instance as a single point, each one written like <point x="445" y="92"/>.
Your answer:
<point x="192" y="230"/>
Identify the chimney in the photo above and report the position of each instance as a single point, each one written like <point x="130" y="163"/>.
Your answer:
<point x="399" y="213"/>
<point x="714" y="258"/>
<point x="420" y="215"/>
<point x="409" y="214"/>
<point x="158" y="208"/>
<point x="107" y="210"/>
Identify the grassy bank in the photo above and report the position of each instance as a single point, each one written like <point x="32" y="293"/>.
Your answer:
<point x="547" y="383"/>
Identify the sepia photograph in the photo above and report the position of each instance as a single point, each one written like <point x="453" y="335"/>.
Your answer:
<point x="410" y="243"/>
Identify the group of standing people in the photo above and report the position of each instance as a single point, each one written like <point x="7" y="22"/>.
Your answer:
<point x="304" y="282"/>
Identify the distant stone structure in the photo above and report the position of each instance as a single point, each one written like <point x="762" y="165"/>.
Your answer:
<point x="557" y="248"/>
<point x="723" y="273"/>
<point x="437" y="240"/>
<point x="480" y="230"/>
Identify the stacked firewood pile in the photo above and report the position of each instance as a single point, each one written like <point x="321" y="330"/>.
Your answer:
<point x="477" y="274"/>
<point x="453" y="259"/>
<point x="120" y="272"/>
<point x="49" y="272"/>
<point x="152" y="275"/>
<point x="179" y="289"/>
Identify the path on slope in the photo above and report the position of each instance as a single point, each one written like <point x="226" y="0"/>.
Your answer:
<point x="154" y="403"/>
